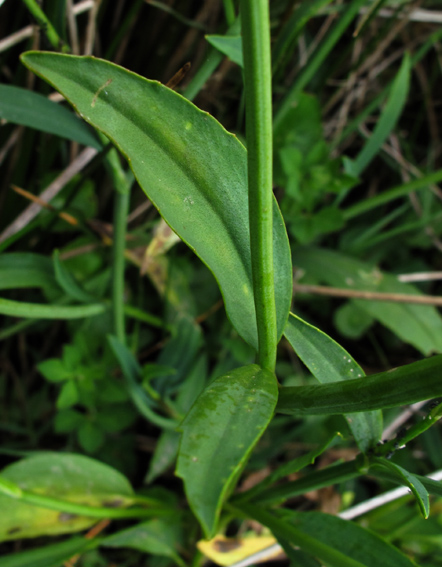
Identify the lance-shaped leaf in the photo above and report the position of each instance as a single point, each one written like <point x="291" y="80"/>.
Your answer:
<point x="408" y="479"/>
<point x="191" y="168"/>
<point x="219" y="432"/>
<point x="336" y="542"/>
<point x="329" y="362"/>
<point x="404" y="385"/>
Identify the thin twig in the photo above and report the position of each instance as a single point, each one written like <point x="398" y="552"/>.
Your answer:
<point x="49" y="193"/>
<point x="368" y="295"/>
<point x="65" y="216"/>
<point x="420" y="277"/>
<point x="401" y="419"/>
<point x="72" y="26"/>
<point x="91" y="28"/>
<point x="416" y="15"/>
<point x="27" y="31"/>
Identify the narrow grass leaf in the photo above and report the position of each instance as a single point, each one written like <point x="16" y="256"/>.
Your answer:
<point x="67" y="282"/>
<point x="329" y="362"/>
<point x="25" y="270"/>
<point x="289" y="468"/>
<point x="218" y="435"/>
<point x="389" y="195"/>
<point x="44" y="311"/>
<point x="387" y="121"/>
<point x="314" y="480"/>
<point x="285" y="43"/>
<point x="132" y="373"/>
<point x="190" y="167"/>
<point x="397" y="387"/>
<point x="21" y="106"/>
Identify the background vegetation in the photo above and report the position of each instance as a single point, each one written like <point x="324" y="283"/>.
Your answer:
<point x="357" y="152"/>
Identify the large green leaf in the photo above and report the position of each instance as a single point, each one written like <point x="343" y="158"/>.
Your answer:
<point x="21" y="106"/>
<point x="336" y="542"/>
<point x="190" y="167"/>
<point x="329" y="362"/>
<point x="419" y="325"/>
<point x="397" y="387"/>
<point x="219" y="432"/>
<point x="73" y="478"/>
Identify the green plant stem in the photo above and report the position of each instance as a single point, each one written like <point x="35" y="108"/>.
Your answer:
<point x="46" y="25"/>
<point x="122" y="183"/>
<point x="257" y="81"/>
<point x="121" y="207"/>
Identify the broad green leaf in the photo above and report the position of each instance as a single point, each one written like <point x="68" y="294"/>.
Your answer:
<point x="47" y="311"/>
<point x="387" y="121"/>
<point x="219" y="433"/>
<point x="397" y="387"/>
<point x="355" y="543"/>
<point x="193" y="171"/>
<point x="27" y="108"/>
<point x="156" y="537"/>
<point x="408" y="479"/>
<point x="329" y="362"/>
<point x="49" y="555"/>
<point x="54" y="370"/>
<point x="228" y="45"/>
<point x="72" y="478"/>
<point x="419" y="325"/>
<point x="349" y="538"/>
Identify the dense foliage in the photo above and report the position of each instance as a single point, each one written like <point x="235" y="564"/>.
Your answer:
<point x="161" y="395"/>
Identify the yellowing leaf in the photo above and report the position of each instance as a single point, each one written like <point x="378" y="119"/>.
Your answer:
<point x="227" y="551"/>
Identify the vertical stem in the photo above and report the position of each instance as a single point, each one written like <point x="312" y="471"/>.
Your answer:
<point x="121" y="207"/>
<point x="46" y="25"/>
<point x="122" y="183"/>
<point x="257" y="80"/>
